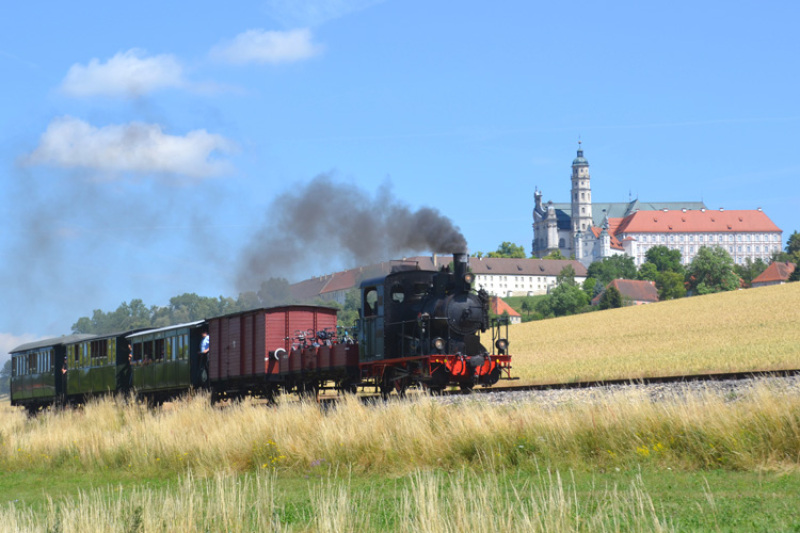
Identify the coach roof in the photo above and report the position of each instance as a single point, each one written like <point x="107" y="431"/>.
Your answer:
<point x="44" y="343"/>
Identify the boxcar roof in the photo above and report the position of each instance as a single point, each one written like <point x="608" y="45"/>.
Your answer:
<point x="55" y="341"/>
<point x="276" y="309"/>
<point x="167" y="328"/>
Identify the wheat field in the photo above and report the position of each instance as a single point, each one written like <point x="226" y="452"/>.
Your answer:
<point x="741" y="331"/>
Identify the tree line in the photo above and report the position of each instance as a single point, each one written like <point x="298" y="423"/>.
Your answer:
<point x="190" y="307"/>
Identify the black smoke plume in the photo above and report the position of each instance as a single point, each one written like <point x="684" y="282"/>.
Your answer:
<point x="326" y="223"/>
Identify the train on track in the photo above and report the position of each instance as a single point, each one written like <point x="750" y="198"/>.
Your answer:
<point x="416" y="328"/>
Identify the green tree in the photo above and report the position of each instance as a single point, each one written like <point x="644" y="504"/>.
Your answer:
<point x="664" y="259"/>
<point x="509" y="249"/>
<point x="566" y="276"/>
<point x="349" y="313"/>
<point x="611" y="298"/>
<point x="568" y="299"/>
<point x="795" y="276"/>
<point x="527" y="307"/>
<point x="791" y="252"/>
<point x="611" y="268"/>
<point x="647" y="271"/>
<point x="711" y="271"/>
<point x="670" y="285"/>
<point x="793" y="244"/>
<point x="274" y="291"/>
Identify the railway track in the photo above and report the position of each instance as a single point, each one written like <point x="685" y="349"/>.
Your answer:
<point x="720" y="376"/>
<point x="575" y="385"/>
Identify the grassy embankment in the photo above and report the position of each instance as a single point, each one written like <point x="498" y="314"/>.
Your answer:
<point x="625" y="463"/>
<point x="411" y="466"/>
<point x="755" y="329"/>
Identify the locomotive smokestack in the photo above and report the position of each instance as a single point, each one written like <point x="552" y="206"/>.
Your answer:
<point x="460" y="262"/>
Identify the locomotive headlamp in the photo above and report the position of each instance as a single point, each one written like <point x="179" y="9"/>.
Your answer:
<point x="502" y="346"/>
<point x="469" y="277"/>
<point x="438" y="343"/>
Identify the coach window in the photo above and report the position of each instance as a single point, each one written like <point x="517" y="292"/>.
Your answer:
<point x="371" y="302"/>
<point x="159" y="351"/>
<point x="398" y="294"/>
<point x="137" y="351"/>
<point x="147" y="350"/>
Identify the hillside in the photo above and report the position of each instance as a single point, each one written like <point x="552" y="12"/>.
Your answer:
<point x="755" y="329"/>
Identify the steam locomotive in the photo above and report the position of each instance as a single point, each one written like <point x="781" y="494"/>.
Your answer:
<point x="416" y="328"/>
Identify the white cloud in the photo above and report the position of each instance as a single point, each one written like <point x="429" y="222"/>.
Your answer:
<point x="259" y="46"/>
<point x="314" y="12"/>
<point x="135" y="147"/>
<point x="8" y="342"/>
<point x="127" y="74"/>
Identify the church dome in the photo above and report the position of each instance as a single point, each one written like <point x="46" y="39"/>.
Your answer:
<point x="580" y="160"/>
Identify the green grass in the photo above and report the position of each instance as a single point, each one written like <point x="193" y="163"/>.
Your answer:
<point x="683" y="501"/>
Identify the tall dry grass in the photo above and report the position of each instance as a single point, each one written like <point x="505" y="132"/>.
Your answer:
<point x="430" y="502"/>
<point x="738" y="331"/>
<point x="759" y="429"/>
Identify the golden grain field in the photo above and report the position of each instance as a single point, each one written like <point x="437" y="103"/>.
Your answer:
<point x="748" y="330"/>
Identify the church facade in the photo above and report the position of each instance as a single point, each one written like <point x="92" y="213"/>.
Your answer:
<point x="590" y="231"/>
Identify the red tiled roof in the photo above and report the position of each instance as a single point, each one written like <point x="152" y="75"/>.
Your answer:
<point x="775" y="273"/>
<point x="309" y="289"/>
<point x="341" y="281"/>
<point x="633" y="289"/>
<point x="691" y="221"/>
<point x="499" y="306"/>
<point x="524" y="267"/>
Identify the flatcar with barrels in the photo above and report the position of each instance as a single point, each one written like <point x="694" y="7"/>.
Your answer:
<point x="416" y="328"/>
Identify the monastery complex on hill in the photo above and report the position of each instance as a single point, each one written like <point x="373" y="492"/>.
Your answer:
<point x="586" y="231"/>
<point x="590" y="231"/>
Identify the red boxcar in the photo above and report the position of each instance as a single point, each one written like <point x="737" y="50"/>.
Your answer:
<point x="263" y="348"/>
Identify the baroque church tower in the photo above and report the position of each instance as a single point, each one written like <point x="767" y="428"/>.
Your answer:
<point x="581" y="194"/>
<point x="555" y="227"/>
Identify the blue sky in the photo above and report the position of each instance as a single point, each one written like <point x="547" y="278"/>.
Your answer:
<point x="146" y="146"/>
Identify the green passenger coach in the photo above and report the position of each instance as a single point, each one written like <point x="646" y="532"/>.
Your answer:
<point x="166" y="361"/>
<point x="38" y="372"/>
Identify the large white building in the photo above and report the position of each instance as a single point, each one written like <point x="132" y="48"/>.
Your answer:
<point x="499" y="276"/>
<point x="590" y="231"/>
<point x="744" y="234"/>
